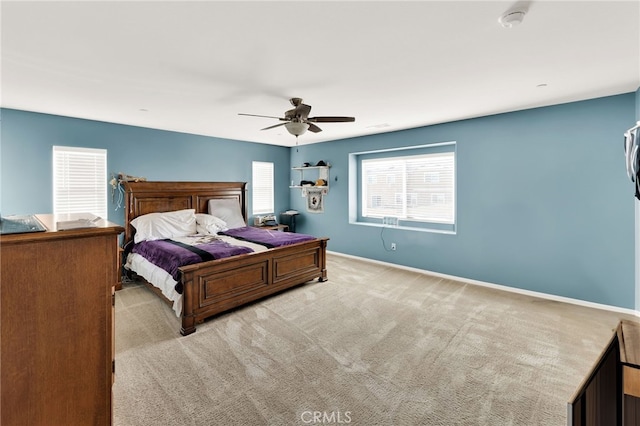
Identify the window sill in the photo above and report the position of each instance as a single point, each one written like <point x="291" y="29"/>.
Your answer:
<point x="405" y="228"/>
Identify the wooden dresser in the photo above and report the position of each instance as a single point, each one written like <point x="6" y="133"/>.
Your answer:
<point x="610" y="394"/>
<point x="57" y="325"/>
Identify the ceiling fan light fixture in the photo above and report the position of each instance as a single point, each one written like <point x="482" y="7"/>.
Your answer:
<point x="296" y="128"/>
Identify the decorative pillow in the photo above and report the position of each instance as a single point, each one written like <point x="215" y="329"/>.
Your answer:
<point x="227" y="209"/>
<point x="208" y="224"/>
<point x="158" y="226"/>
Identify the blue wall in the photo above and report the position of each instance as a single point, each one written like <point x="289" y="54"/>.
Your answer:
<point x="26" y="158"/>
<point x="543" y="201"/>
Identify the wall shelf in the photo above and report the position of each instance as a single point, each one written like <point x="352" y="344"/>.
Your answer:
<point x="314" y="173"/>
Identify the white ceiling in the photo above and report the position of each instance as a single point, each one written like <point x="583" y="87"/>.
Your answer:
<point x="193" y="66"/>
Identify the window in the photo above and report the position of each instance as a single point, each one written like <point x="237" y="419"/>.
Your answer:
<point x="79" y="180"/>
<point x="416" y="185"/>
<point x="262" y="173"/>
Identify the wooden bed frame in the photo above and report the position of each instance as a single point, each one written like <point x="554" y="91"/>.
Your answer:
<point x="219" y="285"/>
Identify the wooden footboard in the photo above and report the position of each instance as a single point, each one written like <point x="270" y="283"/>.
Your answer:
<point x="217" y="286"/>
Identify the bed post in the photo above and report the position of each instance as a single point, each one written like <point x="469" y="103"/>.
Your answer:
<point x="188" y="325"/>
<point x="188" y="317"/>
<point x="323" y="261"/>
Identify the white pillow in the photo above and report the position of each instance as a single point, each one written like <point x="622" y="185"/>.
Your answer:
<point x="158" y="226"/>
<point x="208" y="224"/>
<point x="227" y="209"/>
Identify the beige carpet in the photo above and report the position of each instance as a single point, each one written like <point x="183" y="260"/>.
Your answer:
<point x="374" y="345"/>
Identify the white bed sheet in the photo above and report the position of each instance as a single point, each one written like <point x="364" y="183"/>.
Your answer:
<point x="156" y="276"/>
<point x="161" y="279"/>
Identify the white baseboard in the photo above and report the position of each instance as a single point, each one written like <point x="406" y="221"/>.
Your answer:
<point x="499" y="286"/>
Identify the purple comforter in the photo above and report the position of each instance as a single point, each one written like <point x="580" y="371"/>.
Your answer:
<point x="170" y="255"/>
<point x="266" y="237"/>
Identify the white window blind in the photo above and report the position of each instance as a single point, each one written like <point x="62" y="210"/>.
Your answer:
<point x="414" y="187"/>
<point x="79" y="180"/>
<point x="262" y="173"/>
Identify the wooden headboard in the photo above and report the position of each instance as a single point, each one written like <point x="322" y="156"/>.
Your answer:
<point x="151" y="197"/>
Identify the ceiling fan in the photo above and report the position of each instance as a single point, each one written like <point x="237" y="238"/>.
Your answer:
<point x="297" y="120"/>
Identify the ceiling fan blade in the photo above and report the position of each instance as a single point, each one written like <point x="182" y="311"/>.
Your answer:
<point x="264" y="116"/>
<point x="313" y="128"/>
<point x="275" y="125"/>
<point x="331" y="119"/>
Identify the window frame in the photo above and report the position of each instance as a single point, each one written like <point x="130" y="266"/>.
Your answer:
<point x="356" y="191"/>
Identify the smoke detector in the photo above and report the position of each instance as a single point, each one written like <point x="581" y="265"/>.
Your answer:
<point x="512" y="18"/>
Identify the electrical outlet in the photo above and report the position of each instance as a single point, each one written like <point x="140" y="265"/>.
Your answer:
<point x="390" y="221"/>
<point x="393" y="246"/>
